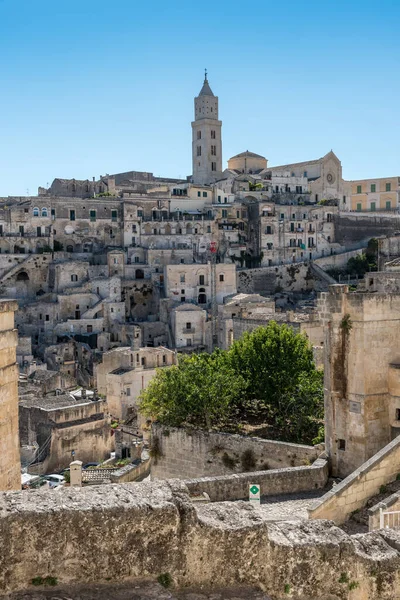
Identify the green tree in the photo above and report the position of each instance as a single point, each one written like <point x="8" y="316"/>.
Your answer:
<point x="201" y="390"/>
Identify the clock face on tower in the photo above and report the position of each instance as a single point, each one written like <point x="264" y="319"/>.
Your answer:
<point x="330" y="178"/>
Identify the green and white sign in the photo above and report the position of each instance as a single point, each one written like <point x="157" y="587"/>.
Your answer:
<point x="254" y="492"/>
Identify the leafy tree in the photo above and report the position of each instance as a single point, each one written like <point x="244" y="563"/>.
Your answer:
<point x="202" y="390"/>
<point x="268" y="375"/>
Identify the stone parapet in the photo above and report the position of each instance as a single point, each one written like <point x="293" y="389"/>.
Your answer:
<point x="126" y="532"/>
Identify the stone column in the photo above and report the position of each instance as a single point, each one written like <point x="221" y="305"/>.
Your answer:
<point x="76" y="473"/>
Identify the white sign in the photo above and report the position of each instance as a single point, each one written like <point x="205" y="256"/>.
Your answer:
<point x="254" y="492"/>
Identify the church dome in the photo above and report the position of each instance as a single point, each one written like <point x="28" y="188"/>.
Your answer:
<point x="247" y="162"/>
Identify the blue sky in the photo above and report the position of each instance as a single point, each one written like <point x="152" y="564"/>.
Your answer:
<point x="92" y="87"/>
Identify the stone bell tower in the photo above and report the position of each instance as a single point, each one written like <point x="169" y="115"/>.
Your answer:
<point x="206" y="137"/>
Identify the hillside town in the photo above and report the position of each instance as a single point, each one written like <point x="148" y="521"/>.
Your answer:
<point x="109" y="282"/>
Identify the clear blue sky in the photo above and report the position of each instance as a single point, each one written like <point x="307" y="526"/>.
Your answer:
<point x="93" y="86"/>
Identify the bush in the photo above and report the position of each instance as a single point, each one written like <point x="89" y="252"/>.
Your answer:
<point x="165" y="580"/>
<point x="248" y="460"/>
<point x="228" y="461"/>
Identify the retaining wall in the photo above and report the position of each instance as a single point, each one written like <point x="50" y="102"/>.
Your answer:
<point x="189" y="454"/>
<point x="129" y="531"/>
<point x="276" y="481"/>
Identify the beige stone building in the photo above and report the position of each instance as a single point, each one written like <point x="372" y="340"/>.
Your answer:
<point x="124" y="373"/>
<point x="183" y="283"/>
<point x="10" y="470"/>
<point x="375" y="194"/>
<point x="362" y="369"/>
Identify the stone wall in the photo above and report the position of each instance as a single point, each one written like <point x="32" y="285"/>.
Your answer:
<point x="125" y="532"/>
<point x="195" y="453"/>
<point x="10" y="477"/>
<point x="354" y="228"/>
<point x="365" y="482"/>
<point x="277" y="481"/>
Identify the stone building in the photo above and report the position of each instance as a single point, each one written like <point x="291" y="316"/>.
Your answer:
<point x="10" y="477"/>
<point x="206" y="137"/>
<point x="63" y="426"/>
<point x="375" y="194"/>
<point x="362" y="399"/>
<point x="183" y="283"/>
<point x="124" y="373"/>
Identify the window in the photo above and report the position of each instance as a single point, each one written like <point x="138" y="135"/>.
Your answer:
<point x="72" y="215"/>
<point x="198" y="150"/>
<point x="114" y="215"/>
<point x="342" y="444"/>
<point x="199" y="135"/>
<point x="221" y="277"/>
<point x="213" y="150"/>
<point x="140" y="213"/>
<point x="89" y="329"/>
<point x="183" y="299"/>
<point x="359" y="189"/>
<point x="36" y="212"/>
<point x="373" y="187"/>
<point x="388" y="187"/>
<point x="208" y="228"/>
<point x="47" y="317"/>
<point x="225" y="200"/>
<point x="269" y="229"/>
<point x="316" y="197"/>
<point x="128" y="391"/>
<point x="388" y="204"/>
<point x="92" y="214"/>
<point x="188" y="325"/>
<point x="305" y="173"/>
<point x="224" y="213"/>
<point x="205" y="194"/>
<point x="164" y="359"/>
<point x="74" y="277"/>
<point x="182" y="278"/>
<point x="359" y="206"/>
<point x="344" y="199"/>
<point x="238" y="214"/>
<point x="373" y="205"/>
<point x="199" y="194"/>
<point x="136" y="259"/>
<point x="143" y="361"/>
<point x="212" y="134"/>
<point x="44" y="212"/>
<point x="213" y="166"/>
<point x="22" y="230"/>
<point x="201" y="279"/>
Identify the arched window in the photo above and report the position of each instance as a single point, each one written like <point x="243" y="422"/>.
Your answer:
<point x="44" y="212"/>
<point x="36" y="212"/>
<point x="70" y="248"/>
<point x="74" y="277"/>
<point x="22" y="276"/>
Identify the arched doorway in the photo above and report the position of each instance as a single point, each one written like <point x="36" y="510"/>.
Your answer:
<point x="202" y="298"/>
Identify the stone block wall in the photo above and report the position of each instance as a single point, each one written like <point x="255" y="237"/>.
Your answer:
<point x="277" y="481"/>
<point x="115" y="533"/>
<point x="10" y="476"/>
<point x="364" y="483"/>
<point x="194" y="453"/>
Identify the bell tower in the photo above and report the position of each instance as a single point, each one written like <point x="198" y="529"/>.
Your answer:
<point x="206" y="137"/>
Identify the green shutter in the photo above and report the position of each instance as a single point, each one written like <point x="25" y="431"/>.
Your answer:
<point x="359" y="189"/>
<point x="359" y="206"/>
<point x="373" y="187"/>
<point x="388" y="205"/>
<point x="388" y="187"/>
<point x="373" y="206"/>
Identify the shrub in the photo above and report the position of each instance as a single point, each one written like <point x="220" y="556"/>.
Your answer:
<point x="383" y="489"/>
<point x="344" y="578"/>
<point x="165" y="580"/>
<point x="228" y="461"/>
<point x="248" y="460"/>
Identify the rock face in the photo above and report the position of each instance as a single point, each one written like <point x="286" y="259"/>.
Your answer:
<point x="133" y="531"/>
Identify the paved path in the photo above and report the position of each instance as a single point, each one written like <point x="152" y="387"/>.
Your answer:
<point x="145" y="590"/>
<point x="290" y="506"/>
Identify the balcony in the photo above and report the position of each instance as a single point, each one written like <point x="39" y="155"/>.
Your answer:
<point x="189" y="330"/>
